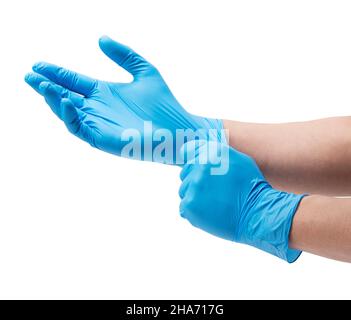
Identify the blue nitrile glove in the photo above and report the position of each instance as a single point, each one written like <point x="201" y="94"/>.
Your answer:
<point x="239" y="205"/>
<point x="98" y="112"/>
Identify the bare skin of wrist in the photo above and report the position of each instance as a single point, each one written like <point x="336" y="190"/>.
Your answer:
<point x="301" y="157"/>
<point x="306" y="157"/>
<point x="322" y="226"/>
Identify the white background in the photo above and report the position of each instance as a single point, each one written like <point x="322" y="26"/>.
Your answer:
<point x="79" y="223"/>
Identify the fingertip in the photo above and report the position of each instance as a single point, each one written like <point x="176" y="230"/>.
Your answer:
<point x="34" y="80"/>
<point x="44" y="85"/>
<point x="38" y="65"/>
<point x="104" y="41"/>
<point x="109" y="45"/>
<point x="27" y="78"/>
<point x="104" y="38"/>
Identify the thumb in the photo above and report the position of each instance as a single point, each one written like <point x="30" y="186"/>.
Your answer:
<point x="126" y="57"/>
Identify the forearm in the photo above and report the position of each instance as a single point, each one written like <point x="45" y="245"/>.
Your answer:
<point x="322" y="226"/>
<point x="300" y="157"/>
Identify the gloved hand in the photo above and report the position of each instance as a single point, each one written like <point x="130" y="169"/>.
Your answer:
<point x="99" y="112"/>
<point x="240" y="205"/>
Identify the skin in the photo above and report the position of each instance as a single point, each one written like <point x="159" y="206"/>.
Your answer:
<point x="306" y="157"/>
<point x="322" y="226"/>
<point x="303" y="157"/>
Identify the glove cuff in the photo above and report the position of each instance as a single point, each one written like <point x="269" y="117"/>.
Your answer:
<point x="268" y="227"/>
<point x="214" y="127"/>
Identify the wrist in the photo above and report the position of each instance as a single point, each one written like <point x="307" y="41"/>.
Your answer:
<point x="267" y="226"/>
<point x="212" y="129"/>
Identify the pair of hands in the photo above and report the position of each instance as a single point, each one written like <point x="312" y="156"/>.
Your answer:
<point x="238" y="205"/>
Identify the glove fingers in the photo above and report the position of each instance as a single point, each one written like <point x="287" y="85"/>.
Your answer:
<point x="52" y="97"/>
<point x="67" y="110"/>
<point x="66" y="78"/>
<point x="185" y="171"/>
<point x="184" y="187"/>
<point x="182" y="208"/>
<point x="125" y="57"/>
<point x="77" y="99"/>
<point x="75" y="121"/>
<point x="71" y="116"/>
<point x="35" y="79"/>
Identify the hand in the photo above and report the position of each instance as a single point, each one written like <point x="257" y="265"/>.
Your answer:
<point x="99" y="112"/>
<point x="239" y="205"/>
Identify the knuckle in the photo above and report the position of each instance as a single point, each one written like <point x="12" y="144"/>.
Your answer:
<point x="94" y="86"/>
<point x="62" y="73"/>
<point x="65" y="93"/>
<point x="73" y="79"/>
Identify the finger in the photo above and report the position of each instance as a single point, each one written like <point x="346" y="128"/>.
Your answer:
<point x="69" y="79"/>
<point x="182" y="208"/>
<point x="74" y="119"/>
<point x="185" y="171"/>
<point x="52" y="97"/>
<point x="35" y="79"/>
<point x="76" y="98"/>
<point x="71" y="116"/>
<point x="184" y="187"/>
<point x="126" y="57"/>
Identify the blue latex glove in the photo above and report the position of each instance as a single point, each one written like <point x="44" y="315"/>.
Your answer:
<point x="98" y="112"/>
<point x="240" y="205"/>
